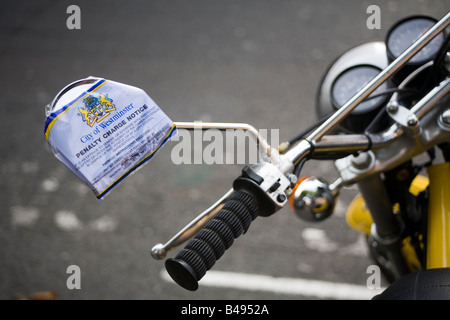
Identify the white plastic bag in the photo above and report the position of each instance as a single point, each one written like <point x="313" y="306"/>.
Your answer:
<point x="103" y="130"/>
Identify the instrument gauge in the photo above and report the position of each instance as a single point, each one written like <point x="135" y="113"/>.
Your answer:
<point x="349" y="82"/>
<point x="408" y="30"/>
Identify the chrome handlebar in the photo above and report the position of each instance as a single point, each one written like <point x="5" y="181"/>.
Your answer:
<point x="160" y="250"/>
<point x="296" y="154"/>
<point x="414" y="131"/>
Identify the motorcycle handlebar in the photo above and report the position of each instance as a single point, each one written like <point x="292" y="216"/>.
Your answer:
<point x="267" y="183"/>
<point x="202" y="252"/>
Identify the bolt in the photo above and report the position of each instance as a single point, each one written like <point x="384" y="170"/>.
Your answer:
<point x="412" y="121"/>
<point x="292" y="179"/>
<point x="362" y="161"/>
<point x="392" y="107"/>
<point x="445" y="117"/>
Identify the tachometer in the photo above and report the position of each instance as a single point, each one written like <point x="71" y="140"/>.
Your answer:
<point x="408" y="30"/>
<point x="349" y="82"/>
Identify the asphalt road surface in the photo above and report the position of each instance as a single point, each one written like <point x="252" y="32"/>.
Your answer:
<point x="229" y="61"/>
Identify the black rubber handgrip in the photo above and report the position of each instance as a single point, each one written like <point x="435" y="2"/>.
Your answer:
<point x="201" y="253"/>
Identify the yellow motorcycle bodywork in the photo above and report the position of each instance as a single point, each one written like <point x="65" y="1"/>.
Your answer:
<point x="438" y="233"/>
<point x="438" y="243"/>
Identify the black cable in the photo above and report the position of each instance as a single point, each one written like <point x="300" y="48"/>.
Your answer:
<point x="437" y="69"/>
<point x="391" y="90"/>
<point x="299" y="166"/>
<point x="373" y="123"/>
<point x="302" y="134"/>
<point x="382" y="112"/>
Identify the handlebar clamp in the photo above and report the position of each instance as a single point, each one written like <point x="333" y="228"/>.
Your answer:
<point x="267" y="184"/>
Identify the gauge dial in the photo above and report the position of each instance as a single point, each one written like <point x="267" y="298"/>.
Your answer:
<point x="349" y="82"/>
<point x="405" y="32"/>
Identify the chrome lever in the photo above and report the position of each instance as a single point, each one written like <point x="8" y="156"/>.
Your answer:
<point x="160" y="250"/>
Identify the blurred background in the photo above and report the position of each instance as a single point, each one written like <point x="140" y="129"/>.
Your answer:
<point x="255" y="61"/>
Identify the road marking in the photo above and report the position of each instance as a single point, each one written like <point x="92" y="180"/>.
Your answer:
<point x="104" y="224"/>
<point x="30" y="166"/>
<point x="317" y="239"/>
<point x="67" y="221"/>
<point x="50" y="185"/>
<point x="289" y="286"/>
<point x="24" y="216"/>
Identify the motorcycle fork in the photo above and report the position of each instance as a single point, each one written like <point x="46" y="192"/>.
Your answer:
<point x="438" y="229"/>
<point x="386" y="229"/>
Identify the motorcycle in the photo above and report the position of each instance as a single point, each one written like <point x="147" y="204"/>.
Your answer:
<point x="381" y="107"/>
<point x="380" y="104"/>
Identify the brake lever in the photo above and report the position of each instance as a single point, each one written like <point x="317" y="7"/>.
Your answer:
<point x="159" y="251"/>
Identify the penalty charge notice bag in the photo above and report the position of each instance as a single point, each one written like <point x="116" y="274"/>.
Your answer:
<point x="103" y="130"/>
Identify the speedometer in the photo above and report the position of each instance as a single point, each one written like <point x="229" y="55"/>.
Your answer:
<point x="347" y="84"/>
<point x="408" y="30"/>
